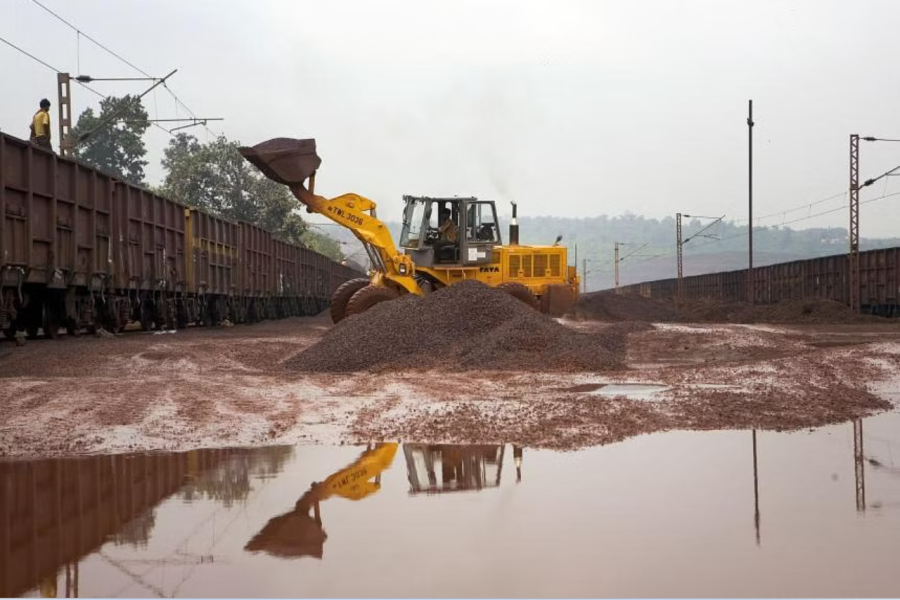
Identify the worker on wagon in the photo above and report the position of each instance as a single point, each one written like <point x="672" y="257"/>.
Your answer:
<point x="40" y="126"/>
<point x="448" y="228"/>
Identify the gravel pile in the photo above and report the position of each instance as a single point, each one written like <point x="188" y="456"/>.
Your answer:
<point x="607" y="306"/>
<point x="465" y="326"/>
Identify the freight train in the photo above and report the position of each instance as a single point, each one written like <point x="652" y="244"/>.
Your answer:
<point x="81" y="250"/>
<point x="827" y="277"/>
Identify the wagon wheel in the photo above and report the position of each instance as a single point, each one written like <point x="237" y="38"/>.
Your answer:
<point x="72" y="328"/>
<point x="51" y="322"/>
<point x="181" y="316"/>
<point x="146" y="316"/>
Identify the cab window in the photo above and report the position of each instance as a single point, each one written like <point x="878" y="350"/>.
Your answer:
<point x="412" y="225"/>
<point x="481" y="223"/>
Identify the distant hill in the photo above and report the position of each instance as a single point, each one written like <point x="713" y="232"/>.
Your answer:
<point x="650" y="250"/>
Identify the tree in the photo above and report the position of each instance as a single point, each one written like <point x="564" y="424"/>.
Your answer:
<point x="323" y="244"/>
<point x="113" y="141"/>
<point x="215" y="177"/>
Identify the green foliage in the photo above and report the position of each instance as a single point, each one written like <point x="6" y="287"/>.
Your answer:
<point x="215" y="177"/>
<point x="113" y="141"/>
<point x="323" y="244"/>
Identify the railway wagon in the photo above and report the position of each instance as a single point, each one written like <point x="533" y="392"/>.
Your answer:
<point x="212" y="270"/>
<point x="254" y="270"/>
<point x="287" y="275"/>
<point x="59" y="240"/>
<point x="307" y="282"/>
<point x="81" y="250"/>
<point x="826" y="277"/>
<point x="147" y="258"/>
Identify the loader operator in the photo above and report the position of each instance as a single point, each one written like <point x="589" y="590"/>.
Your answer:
<point x="40" y="126"/>
<point x="445" y="247"/>
<point x="448" y="229"/>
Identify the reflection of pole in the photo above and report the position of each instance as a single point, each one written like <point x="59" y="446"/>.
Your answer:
<point x="755" y="490"/>
<point x="517" y="456"/>
<point x="859" y="466"/>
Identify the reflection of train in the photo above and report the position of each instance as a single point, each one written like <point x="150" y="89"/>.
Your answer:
<point x="53" y="513"/>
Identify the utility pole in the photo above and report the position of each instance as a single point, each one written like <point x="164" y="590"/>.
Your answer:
<point x="751" y="296"/>
<point x="680" y="258"/>
<point x="64" y="100"/>
<point x="854" y="223"/>
<point x="617" y="267"/>
<point x="584" y="275"/>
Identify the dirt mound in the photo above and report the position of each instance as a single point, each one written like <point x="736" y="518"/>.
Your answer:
<point x="607" y="306"/>
<point x="465" y="326"/>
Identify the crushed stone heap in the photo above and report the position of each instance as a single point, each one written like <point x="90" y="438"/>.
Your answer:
<point x="466" y="326"/>
<point x="608" y="306"/>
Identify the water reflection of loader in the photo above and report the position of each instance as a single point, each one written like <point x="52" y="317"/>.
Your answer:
<point x="471" y="467"/>
<point x="442" y="468"/>
<point x="296" y="533"/>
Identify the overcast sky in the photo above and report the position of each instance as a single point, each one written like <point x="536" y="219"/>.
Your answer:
<point x="570" y="108"/>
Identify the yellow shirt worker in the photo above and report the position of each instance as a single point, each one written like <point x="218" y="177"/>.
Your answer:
<point x="40" y="126"/>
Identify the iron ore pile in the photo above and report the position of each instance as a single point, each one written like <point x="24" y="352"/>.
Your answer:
<point x="466" y="326"/>
<point x="608" y="306"/>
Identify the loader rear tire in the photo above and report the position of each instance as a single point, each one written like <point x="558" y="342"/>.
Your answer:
<point x="520" y="292"/>
<point x="368" y="297"/>
<point x="342" y="295"/>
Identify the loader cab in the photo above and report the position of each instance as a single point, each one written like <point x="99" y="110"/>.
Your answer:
<point x="449" y="231"/>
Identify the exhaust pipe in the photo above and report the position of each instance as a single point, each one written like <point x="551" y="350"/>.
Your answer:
<point x="513" y="227"/>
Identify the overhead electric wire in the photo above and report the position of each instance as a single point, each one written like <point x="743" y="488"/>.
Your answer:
<point x="55" y="70"/>
<point x="28" y="54"/>
<point x="744" y="233"/>
<point x="704" y="229"/>
<point x="635" y="251"/>
<point x="118" y="56"/>
<point x="92" y="39"/>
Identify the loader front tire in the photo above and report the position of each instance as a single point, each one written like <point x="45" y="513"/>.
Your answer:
<point x="342" y="295"/>
<point x="520" y="292"/>
<point x="368" y="297"/>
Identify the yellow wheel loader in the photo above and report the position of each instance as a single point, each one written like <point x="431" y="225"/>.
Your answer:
<point x="443" y="241"/>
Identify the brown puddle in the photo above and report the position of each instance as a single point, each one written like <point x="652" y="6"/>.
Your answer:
<point x="726" y="513"/>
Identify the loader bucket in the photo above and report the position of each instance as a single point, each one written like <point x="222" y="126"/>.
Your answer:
<point x="284" y="160"/>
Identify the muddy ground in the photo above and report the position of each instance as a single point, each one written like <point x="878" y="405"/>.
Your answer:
<point x="230" y="386"/>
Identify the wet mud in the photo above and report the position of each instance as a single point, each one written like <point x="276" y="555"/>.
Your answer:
<point x="240" y="387"/>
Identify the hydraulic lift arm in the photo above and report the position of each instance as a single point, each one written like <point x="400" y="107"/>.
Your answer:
<point x="291" y="162"/>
